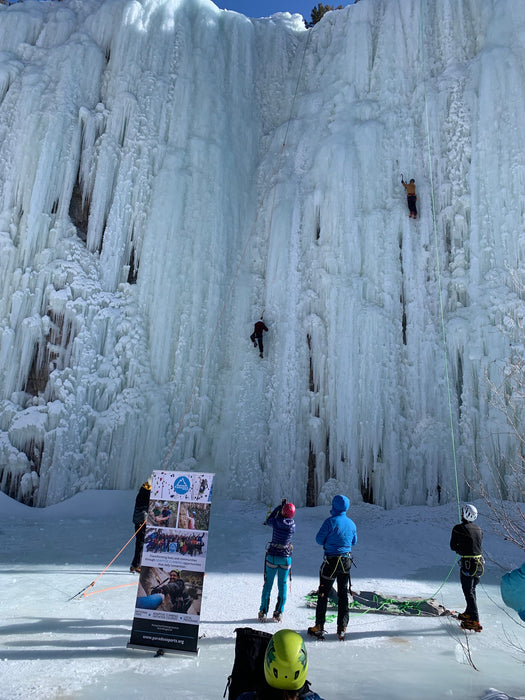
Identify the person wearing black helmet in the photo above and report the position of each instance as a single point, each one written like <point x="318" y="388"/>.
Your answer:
<point x="466" y="541"/>
<point x="140" y="514"/>
<point x="278" y="558"/>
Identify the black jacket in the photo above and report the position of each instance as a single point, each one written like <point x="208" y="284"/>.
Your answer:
<point x="466" y="539"/>
<point x="140" y="513"/>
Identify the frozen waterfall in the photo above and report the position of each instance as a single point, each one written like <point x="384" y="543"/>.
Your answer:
<point x="169" y="171"/>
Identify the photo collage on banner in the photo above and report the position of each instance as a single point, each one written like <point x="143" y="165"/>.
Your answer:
<point x="168" y="605"/>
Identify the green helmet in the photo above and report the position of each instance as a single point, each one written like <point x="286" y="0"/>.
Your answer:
<point x="285" y="661"/>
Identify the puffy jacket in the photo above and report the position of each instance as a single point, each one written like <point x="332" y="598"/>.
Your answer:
<point x="466" y="539"/>
<point x="258" y="328"/>
<point x="513" y="590"/>
<point x="338" y="533"/>
<point x="140" y="512"/>
<point x="410" y="187"/>
<point x="283" y="529"/>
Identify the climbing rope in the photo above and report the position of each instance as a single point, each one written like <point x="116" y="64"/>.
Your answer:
<point x="306" y="43"/>
<point x="272" y="183"/>
<point x="91" y="585"/>
<point x="436" y="246"/>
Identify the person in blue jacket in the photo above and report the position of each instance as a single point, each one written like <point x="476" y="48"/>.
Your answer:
<point x="337" y="536"/>
<point x="513" y="590"/>
<point x="278" y="558"/>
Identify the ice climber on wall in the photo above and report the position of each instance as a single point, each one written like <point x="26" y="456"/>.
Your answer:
<point x="257" y="335"/>
<point x="410" y="188"/>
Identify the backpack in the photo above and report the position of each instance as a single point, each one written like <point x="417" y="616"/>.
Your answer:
<point x="248" y="665"/>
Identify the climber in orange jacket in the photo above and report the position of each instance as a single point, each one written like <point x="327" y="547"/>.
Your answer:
<point x="410" y="188"/>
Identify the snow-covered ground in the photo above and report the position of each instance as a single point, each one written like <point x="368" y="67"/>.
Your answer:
<point x="53" y="646"/>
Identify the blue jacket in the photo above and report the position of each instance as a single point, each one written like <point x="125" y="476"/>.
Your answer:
<point x="283" y="529"/>
<point x="338" y="533"/>
<point x="513" y="590"/>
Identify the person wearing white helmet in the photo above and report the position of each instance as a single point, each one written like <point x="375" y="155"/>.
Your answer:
<point x="466" y="541"/>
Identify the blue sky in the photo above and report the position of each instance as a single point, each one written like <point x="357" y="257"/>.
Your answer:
<point x="263" y="8"/>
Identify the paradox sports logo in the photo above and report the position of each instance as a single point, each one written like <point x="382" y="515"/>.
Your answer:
<point x="181" y="485"/>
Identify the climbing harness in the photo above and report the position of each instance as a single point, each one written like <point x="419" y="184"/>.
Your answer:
<point x="285" y="549"/>
<point x="472" y="565"/>
<point x="339" y="566"/>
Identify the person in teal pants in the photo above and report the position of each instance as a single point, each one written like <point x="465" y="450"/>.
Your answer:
<point x="278" y="558"/>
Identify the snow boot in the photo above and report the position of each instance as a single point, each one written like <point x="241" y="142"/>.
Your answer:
<point x="277" y="616"/>
<point x="261" y="616"/>
<point x="341" y="634"/>
<point x="260" y="354"/>
<point x="471" y="625"/>
<point x="463" y="616"/>
<point x="317" y="631"/>
<point x="134" y="569"/>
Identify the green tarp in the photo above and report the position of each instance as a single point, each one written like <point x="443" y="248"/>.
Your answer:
<point x="374" y="602"/>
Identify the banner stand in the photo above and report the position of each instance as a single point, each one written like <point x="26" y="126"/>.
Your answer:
<point x="163" y="650"/>
<point x="172" y="567"/>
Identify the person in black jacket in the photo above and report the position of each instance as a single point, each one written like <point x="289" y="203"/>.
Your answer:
<point x="175" y="588"/>
<point x="140" y="513"/>
<point x="466" y="541"/>
<point x="257" y="335"/>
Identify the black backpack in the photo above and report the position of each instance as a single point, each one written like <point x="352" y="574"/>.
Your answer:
<point x="248" y="665"/>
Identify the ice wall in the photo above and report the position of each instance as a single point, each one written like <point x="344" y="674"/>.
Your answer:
<point x="169" y="171"/>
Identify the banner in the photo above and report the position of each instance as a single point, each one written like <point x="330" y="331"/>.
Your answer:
<point x="169" y="596"/>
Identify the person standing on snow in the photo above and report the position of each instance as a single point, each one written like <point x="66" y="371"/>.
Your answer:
<point x="466" y="541"/>
<point x="140" y="514"/>
<point x="257" y="335"/>
<point x="411" y="197"/>
<point x="278" y="558"/>
<point x="337" y="536"/>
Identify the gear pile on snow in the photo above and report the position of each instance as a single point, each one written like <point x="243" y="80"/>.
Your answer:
<point x="372" y="601"/>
